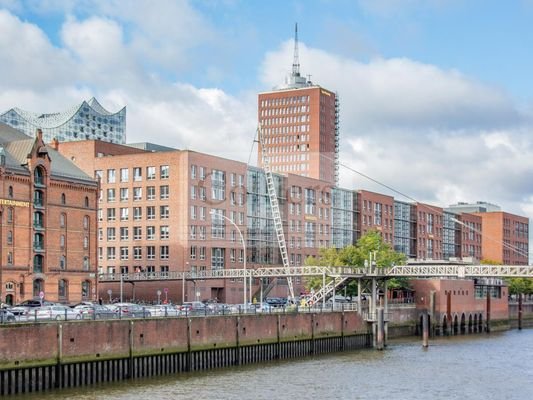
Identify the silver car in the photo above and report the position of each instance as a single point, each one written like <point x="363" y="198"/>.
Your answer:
<point x="55" y="313"/>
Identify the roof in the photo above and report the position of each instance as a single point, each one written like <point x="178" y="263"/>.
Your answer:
<point x="17" y="146"/>
<point x="54" y="120"/>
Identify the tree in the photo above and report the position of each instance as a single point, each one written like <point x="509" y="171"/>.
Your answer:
<point x="371" y="244"/>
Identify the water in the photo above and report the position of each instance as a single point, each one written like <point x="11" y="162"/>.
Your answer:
<point x="499" y="366"/>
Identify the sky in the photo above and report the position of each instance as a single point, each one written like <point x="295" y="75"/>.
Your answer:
<point x="436" y="96"/>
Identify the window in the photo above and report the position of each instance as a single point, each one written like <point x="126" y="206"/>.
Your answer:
<point x="164" y="232"/>
<point x="193" y="212"/>
<point x="163" y="192"/>
<point x="202" y="173"/>
<point x="137" y="193"/>
<point x="111" y="216"/>
<point x="38" y="175"/>
<point x="202" y="253"/>
<point x="193" y="171"/>
<point x="10" y="192"/>
<point x="63" y="199"/>
<point x="124" y="233"/>
<point x="150" y="193"/>
<point x="110" y="233"/>
<point x="137" y="174"/>
<point x="150" y="212"/>
<point x="86" y="242"/>
<point x="150" y="252"/>
<point x="137" y="233"/>
<point x="150" y="233"/>
<point x="124" y="213"/>
<point x="62" y="241"/>
<point x="193" y="192"/>
<point x="192" y="232"/>
<point x="217" y="258"/>
<point x="137" y="253"/>
<point x="38" y="198"/>
<point x="110" y="195"/>
<point x="10" y="215"/>
<point x="99" y="174"/>
<point x="163" y="252"/>
<point x="110" y="176"/>
<point x="192" y="254"/>
<point x="86" y="222"/>
<point x="124" y="175"/>
<point x="217" y="224"/>
<point x="218" y="185"/>
<point x="85" y="289"/>
<point x="62" y="288"/>
<point x="62" y="220"/>
<point x="124" y="194"/>
<point x="202" y="213"/>
<point x="86" y="202"/>
<point x="10" y="258"/>
<point x="111" y="253"/>
<point x="150" y="173"/>
<point x="164" y="212"/>
<point x="164" y="171"/>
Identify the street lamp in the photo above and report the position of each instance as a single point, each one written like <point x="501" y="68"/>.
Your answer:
<point x="215" y="214"/>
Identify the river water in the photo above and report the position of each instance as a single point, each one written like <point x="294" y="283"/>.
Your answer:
<point x="495" y="366"/>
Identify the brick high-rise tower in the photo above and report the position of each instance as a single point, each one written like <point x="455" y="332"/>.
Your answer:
<point x="300" y="122"/>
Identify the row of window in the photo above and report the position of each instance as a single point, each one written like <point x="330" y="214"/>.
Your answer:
<point x="150" y="252"/>
<point x="137" y="231"/>
<point x="111" y="213"/>
<point x="282" y="101"/>
<point x="137" y="174"/>
<point x="164" y="193"/>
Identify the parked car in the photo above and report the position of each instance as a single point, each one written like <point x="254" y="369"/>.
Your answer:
<point x="164" y="310"/>
<point x="95" y="311"/>
<point x="194" y="308"/>
<point x="6" y="315"/>
<point x="276" y="301"/>
<point x="56" y="312"/>
<point x="130" y="310"/>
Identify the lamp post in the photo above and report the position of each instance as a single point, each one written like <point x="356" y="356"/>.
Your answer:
<point x="214" y="214"/>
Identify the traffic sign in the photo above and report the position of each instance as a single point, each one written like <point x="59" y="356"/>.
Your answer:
<point x="165" y="290"/>
<point x="159" y="292"/>
<point x="41" y="295"/>
<point x="109" y="292"/>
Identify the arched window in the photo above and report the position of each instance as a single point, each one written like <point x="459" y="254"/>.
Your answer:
<point x="38" y="261"/>
<point x="38" y="176"/>
<point x="86" y="242"/>
<point x="38" y="198"/>
<point x="86" y="263"/>
<point x="85" y="289"/>
<point x="62" y="241"/>
<point x="10" y="213"/>
<point x="86" y="202"/>
<point x="86" y="222"/>
<point x="63" y="220"/>
<point x="38" y="219"/>
<point x="10" y="237"/>
<point x="10" y="192"/>
<point x="38" y="241"/>
<point x="38" y="287"/>
<point x="63" y="262"/>
<point x="62" y="289"/>
<point x="63" y="198"/>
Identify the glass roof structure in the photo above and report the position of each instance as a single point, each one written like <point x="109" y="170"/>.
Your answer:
<point x="85" y="121"/>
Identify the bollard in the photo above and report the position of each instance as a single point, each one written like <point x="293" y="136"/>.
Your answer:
<point x="425" y="329"/>
<point x="380" y="329"/>
<point x="520" y="311"/>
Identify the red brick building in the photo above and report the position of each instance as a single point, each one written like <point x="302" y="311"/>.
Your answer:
<point x="300" y="130"/>
<point x="505" y="237"/>
<point x="375" y="211"/>
<point x="48" y="223"/>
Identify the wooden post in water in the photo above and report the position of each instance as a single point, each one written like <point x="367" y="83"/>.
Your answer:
<point x="520" y="311"/>
<point x="488" y="309"/>
<point x="425" y="329"/>
<point x="380" y="329"/>
<point x="449" y="312"/>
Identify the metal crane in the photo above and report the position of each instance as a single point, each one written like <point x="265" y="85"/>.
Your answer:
<point x="274" y="205"/>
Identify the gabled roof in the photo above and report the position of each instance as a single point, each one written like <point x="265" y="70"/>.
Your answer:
<point x="17" y="146"/>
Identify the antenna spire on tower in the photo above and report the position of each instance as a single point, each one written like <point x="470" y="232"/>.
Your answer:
<point x="296" y="61"/>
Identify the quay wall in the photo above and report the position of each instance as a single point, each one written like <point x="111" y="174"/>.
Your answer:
<point x="54" y="355"/>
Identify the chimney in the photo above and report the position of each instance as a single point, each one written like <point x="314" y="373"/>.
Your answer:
<point x="55" y="143"/>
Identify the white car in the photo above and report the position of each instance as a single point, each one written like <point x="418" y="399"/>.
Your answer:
<point x="163" y="310"/>
<point x="55" y="313"/>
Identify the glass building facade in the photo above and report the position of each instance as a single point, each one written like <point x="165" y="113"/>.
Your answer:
<point x="450" y="245"/>
<point x="85" y="121"/>
<point x="403" y="234"/>
<point x="262" y="243"/>
<point x="342" y="218"/>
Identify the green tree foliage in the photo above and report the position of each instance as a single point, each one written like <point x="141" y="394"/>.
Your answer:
<point x="370" y="245"/>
